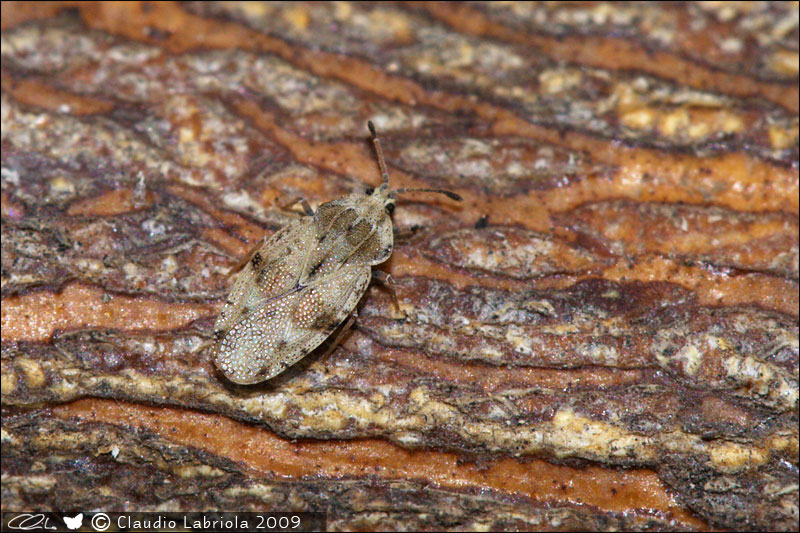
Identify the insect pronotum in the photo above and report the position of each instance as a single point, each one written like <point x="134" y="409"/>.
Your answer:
<point x="296" y="287"/>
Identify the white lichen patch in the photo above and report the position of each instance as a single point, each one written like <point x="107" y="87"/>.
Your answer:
<point x="256" y="490"/>
<point x="35" y="484"/>
<point x="733" y="457"/>
<point x="8" y="382"/>
<point x="690" y="358"/>
<point x="762" y="379"/>
<point x="198" y="471"/>
<point x="242" y="201"/>
<point x="8" y="438"/>
<point x="31" y="371"/>
<point x="600" y="354"/>
<point x="574" y="434"/>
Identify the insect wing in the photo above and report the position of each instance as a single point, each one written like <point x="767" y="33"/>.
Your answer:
<point x="272" y="270"/>
<point x="282" y="330"/>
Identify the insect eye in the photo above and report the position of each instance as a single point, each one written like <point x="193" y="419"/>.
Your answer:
<point x="369" y="190"/>
<point x="390" y="208"/>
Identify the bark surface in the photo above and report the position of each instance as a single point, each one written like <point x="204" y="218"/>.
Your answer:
<point x="603" y="335"/>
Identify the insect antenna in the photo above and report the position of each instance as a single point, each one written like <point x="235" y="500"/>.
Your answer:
<point x="385" y="174"/>
<point x="449" y="194"/>
<point x="377" y="143"/>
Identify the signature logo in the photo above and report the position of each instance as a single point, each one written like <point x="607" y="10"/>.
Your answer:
<point x="28" y="521"/>
<point x="74" y="522"/>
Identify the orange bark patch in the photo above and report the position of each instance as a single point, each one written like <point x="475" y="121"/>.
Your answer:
<point x="736" y="181"/>
<point x="111" y="203"/>
<point x="15" y="13"/>
<point x="259" y="449"/>
<point x="36" y="316"/>
<point x="35" y="93"/>
<point x="497" y="378"/>
<point x="714" y="288"/>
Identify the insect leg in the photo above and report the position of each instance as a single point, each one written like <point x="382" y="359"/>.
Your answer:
<point x="303" y="203"/>
<point x="246" y="259"/>
<point x="387" y="281"/>
<point x="342" y="330"/>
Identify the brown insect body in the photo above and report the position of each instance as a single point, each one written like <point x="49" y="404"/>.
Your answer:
<point x="300" y="284"/>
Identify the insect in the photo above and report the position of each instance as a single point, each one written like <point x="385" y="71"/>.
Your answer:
<point x="298" y="286"/>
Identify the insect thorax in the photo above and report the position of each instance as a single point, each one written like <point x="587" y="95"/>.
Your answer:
<point x="355" y="229"/>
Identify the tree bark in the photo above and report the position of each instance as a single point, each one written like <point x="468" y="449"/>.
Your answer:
<point x="603" y="335"/>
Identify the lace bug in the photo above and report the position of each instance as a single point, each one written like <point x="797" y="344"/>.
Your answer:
<point x="294" y="288"/>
